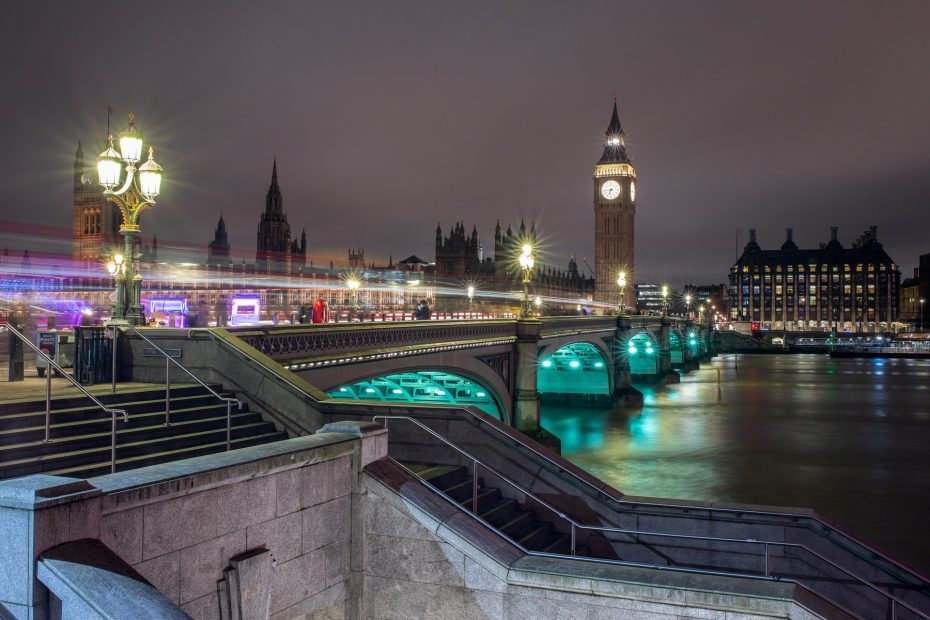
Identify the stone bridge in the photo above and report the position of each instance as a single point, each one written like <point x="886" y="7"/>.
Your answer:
<point x="499" y="365"/>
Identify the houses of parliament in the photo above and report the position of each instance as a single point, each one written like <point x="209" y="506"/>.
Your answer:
<point x="459" y="254"/>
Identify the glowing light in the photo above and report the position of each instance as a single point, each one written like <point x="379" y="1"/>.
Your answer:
<point x="621" y="279"/>
<point x="109" y="167"/>
<point x="440" y="393"/>
<point x="353" y="284"/>
<point x="632" y="349"/>
<point x="369" y="390"/>
<point x="130" y="142"/>
<point x="574" y="363"/>
<point x="547" y="364"/>
<point x="342" y="389"/>
<point x="598" y="364"/>
<point x="538" y="301"/>
<point x="397" y="391"/>
<point x="693" y="341"/>
<point x="648" y="349"/>
<point x="480" y="394"/>
<point x="150" y="177"/>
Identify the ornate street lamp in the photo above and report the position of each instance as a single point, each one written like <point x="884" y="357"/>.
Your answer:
<point x="688" y="304"/>
<point x="664" y="300"/>
<point x="137" y="192"/>
<point x="621" y="282"/>
<point x="526" y="263"/>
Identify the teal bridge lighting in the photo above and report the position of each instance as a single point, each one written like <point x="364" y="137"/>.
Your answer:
<point x="577" y="368"/>
<point x="422" y="387"/>
<point x="642" y="355"/>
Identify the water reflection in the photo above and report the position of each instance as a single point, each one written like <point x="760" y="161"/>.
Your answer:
<point x="848" y="438"/>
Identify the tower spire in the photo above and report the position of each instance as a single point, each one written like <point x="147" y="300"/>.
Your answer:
<point x="274" y="173"/>
<point x="615" y="144"/>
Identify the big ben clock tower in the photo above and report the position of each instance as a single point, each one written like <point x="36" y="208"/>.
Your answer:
<point x="614" y="215"/>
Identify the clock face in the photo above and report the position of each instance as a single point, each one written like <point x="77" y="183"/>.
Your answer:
<point x="633" y="191"/>
<point x="610" y="190"/>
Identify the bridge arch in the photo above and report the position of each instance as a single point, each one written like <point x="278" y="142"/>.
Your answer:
<point x="642" y="354"/>
<point x="424" y="386"/>
<point x="580" y="367"/>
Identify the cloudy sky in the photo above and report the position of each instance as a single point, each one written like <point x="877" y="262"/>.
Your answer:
<point x="389" y="117"/>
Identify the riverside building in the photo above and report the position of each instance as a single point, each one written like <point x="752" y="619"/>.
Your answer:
<point x="829" y="288"/>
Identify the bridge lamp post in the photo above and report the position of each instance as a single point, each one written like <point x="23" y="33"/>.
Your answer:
<point x="353" y="284"/>
<point x="526" y="264"/>
<point x="688" y="305"/>
<point x="664" y="300"/>
<point x="117" y="269"/>
<point x="621" y="282"/>
<point x="138" y="192"/>
<point x="921" y="314"/>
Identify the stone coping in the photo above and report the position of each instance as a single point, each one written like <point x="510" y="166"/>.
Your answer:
<point x="88" y="577"/>
<point x="41" y="490"/>
<point x="284" y="454"/>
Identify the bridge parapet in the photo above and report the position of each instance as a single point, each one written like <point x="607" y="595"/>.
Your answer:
<point x="292" y="342"/>
<point x="566" y="325"/>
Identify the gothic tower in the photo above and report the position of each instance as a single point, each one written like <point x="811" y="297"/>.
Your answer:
<point x="614" y="215"/>
<point x="273" y="251"/>
<point x="218" y="250"/>
<point x="94" y="220"/>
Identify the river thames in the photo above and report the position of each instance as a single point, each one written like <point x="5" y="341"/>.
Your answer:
<point x="849" y="438"/>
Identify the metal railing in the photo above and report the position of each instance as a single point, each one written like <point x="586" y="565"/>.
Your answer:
<point x="48" y="395"/>
<point x="168" y="361"/>
<point x="575" y="527"/>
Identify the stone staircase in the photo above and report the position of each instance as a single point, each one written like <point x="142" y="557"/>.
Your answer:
<point x="533" y="529"/>
<point x="80" y="431"/>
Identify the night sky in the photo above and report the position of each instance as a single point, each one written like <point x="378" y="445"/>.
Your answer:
<point x="388" y="117"/>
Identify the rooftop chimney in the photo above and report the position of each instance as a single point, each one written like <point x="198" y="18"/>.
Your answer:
<point x="752" y="234"/>
<point x="789" y="234"/>
<point x="833" y="231"/>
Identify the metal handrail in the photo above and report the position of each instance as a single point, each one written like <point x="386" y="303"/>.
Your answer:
<point x="48" y="395"/>
<point x="574" y="525"/>
<point x="741" y="511"/>
<point x="168" y="360"/>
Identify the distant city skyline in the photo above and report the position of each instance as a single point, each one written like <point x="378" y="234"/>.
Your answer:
<point x="388" y="119"/>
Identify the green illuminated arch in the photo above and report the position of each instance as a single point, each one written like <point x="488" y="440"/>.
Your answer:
<point x="424" y="386"/>
<point x="577" y="368"/>
<point x="642" y="354"/>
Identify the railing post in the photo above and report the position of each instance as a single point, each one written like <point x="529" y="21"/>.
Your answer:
<point x="767" y="571"/>
<point x="228" y="425"/>
<point x="48" y="402"/>
<point x="112" y="442"/>
<point x="894" y="610"/>
<point x="573" y="538"/>
<point x="113" y="358"/>
<point x="167" y="390"/>
<point x="474" y="487"/>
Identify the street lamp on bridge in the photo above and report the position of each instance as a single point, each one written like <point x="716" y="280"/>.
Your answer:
<point x="664" y="300"/>
<point x="137" y="192"/>
<point x="621" y="282"/>
<point x="353" y="283"/>
<point x="526" y="264"/>
<point x="688" y="304"/>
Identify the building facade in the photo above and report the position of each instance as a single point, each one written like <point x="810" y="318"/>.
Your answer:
<point x="459" y="256"/>
<point x="614" y="216"/>
<point x="95" y="221"/>
<point x="830" y="288"/>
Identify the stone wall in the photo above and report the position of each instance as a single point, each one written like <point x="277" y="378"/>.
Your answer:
<point x="420" y="565"/>
<point x="180" y="524"/>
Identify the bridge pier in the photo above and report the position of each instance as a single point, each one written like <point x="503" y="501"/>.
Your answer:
<point x="624" y="393"/>
<point x="666" y="373"/>
<point x="525" y="394"/>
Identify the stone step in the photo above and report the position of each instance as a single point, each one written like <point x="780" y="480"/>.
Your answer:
<point x="500" y="511"/>
<point x="75" y="459"/>
<point x="209" y="418"/>
<point x="123" y="464"/>
<point x="124" y="394"/>
<point x="539" y="536"/>
<point x="100" y="422"/>
<point x="91" y="414"/>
